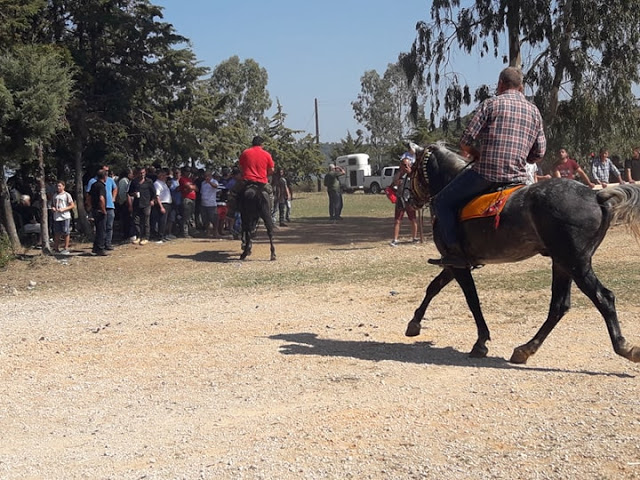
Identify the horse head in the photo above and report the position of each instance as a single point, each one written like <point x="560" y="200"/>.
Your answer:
<point x="434" y="168"/>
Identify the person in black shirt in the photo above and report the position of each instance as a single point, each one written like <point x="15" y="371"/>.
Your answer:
<point x="632" y="167"/>
<point x="98" y="196"/>
<point x="142" y="196"/>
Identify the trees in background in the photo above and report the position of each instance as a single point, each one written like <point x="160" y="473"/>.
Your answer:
<point x="580" y="61"/>
<point x="139" y="95"/>
<point x="34" y="94"/>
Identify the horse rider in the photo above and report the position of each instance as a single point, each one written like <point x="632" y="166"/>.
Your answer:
<point x="256" y="165"/>
<point x="510" y="131"/>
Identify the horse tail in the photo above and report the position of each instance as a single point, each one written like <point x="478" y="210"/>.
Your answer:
<point x="622" y="202"/>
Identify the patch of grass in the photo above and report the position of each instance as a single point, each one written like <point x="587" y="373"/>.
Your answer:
<point x="316" y="204"/>
<point x="6" y="253"/>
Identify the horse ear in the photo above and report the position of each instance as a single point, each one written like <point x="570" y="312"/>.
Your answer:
<point x="415" y="147"/>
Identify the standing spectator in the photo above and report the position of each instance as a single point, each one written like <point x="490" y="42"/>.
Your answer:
<point x="162" y="208"/>
<point x="403" y="201"/>
<point x="98" y="203"/>
<point x="122" y="205"/>
<point x="282" y="195"/>
<point x="568" y="168"/>
<point x="601" y="167"/>
<point x="209" y="207"/>
<point x="142" y="196"/>
<point x="632" y="166"/>
<point x="197" y="209"/>
<point x="334" y="191"/>
<point x="221" y="200"/>
<point x="61" y="206"/>
<point x="175" y="217"/>
<point x="112" y="193"/>
<point x="188" y="191"/>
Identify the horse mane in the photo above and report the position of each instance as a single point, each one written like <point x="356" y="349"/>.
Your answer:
<point x="448" y="160"/>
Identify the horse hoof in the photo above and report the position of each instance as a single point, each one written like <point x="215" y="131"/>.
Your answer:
<point x="519" y="356"/>
<point x="413" y="329"/>
<point x="478" y="352"/>
<point x="273" y="258"/>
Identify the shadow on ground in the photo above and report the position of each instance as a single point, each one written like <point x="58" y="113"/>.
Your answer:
<point x="418" y="352"/>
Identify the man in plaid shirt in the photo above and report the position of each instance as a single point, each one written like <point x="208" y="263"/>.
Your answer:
<point x="510" y="131"/>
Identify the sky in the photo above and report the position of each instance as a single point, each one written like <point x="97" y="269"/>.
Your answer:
<point x="310" y="49"/>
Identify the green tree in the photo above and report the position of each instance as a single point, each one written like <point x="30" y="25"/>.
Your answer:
<point x="350" y="145"/>
<point x="382" y="107"/>
<point x="35" y="93"/>
<point x="301" y="158"/>
<point x="133" y="72"/>
<point x="17" y="18"/>
<point x="243" y="87"/>
<point x="580" y="54"/>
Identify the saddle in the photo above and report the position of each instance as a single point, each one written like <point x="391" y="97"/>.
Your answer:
<point x="488" y="205"/>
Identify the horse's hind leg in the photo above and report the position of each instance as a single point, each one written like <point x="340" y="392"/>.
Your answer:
<point x="604" y="300"/>
<point x="465" y="280"/>
<point x="246" y="243"/>
<point x="560" y="304"/>
<point x="437" y="284"/>
<point x="268" y="224"/>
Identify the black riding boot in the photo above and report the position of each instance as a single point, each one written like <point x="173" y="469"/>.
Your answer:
<point x="454" y="257"/>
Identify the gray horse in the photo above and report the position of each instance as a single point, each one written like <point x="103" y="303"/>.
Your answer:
<point x="559" y="218"/>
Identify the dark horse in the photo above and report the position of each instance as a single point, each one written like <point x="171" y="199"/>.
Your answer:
<point x="559" y="218"/>
<point x="254" y="205"/>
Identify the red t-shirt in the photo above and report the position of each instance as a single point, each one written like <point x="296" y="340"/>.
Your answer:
<point x="255" y="163"/>
<point x="568" y="169"/>
<point x="185" y="191"/>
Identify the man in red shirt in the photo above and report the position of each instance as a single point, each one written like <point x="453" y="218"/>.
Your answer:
<point x="569" y="168"/>
<point x="256" y="165"/>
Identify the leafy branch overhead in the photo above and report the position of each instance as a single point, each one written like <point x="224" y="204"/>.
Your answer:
<point x="580" y="61"/>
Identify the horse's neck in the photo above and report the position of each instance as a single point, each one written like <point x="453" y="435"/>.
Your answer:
<point x="441" y="173"/>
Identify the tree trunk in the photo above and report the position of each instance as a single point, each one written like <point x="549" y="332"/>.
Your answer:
<point x="44" y="210"/>
<point x="81" y="221"/>
<point x="513" y="28"/>
<point x="6" y="213"/>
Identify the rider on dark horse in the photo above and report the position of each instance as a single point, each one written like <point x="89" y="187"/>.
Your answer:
<point x="256" y="164"/>
<point x="510" y="131"/>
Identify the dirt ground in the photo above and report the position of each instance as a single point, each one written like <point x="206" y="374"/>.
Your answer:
<point x="177" y="361"/>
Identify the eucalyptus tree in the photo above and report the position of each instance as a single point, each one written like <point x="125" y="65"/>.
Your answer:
<point x="243" y="87"/>
<point x="383" y="107"/>
<point x="580" y="60"/>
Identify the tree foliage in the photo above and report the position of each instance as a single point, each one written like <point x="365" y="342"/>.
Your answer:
<point x="580" y="60"/>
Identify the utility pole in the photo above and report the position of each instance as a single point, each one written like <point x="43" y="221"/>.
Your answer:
<point x="317" y="124"/>
<point x="318" y="139"/>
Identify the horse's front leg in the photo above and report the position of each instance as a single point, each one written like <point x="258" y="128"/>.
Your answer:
<point x="465" y="280"/>
<point x="437" y="284"/>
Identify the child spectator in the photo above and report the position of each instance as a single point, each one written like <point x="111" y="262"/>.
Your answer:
<point x="61" y="206"/>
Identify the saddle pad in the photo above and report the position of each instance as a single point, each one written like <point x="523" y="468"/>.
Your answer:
<point x="487" y="205"/>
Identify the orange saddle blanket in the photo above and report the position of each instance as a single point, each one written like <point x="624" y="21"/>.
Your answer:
<point x="487" y="205"/>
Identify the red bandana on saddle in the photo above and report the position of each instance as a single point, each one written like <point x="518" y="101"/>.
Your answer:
<point x="487" y="205"/>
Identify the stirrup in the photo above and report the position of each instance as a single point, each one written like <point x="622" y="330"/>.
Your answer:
<point x="448" y="261"/>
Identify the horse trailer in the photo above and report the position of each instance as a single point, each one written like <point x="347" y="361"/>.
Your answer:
<point x="356" y="166"/>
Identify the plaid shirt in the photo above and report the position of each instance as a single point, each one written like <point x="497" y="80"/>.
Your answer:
<point x="600" y="170"/>
<point x="510" y="131"/>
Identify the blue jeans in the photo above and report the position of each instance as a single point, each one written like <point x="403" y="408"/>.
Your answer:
<point x="111" y="215"/>
<point x="452" y="198"/>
